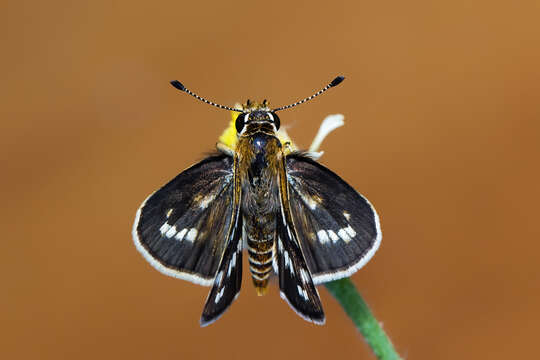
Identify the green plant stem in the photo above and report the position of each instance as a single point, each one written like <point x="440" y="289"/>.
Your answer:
<point x="356" y="308"/>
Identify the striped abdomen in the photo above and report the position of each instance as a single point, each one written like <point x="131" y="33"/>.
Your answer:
<point x="260" y="234"/>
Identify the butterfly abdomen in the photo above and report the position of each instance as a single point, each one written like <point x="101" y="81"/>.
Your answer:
<point x="260" y="232"/>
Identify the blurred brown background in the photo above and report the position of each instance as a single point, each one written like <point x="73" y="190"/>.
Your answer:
<point x="441" y="105"/>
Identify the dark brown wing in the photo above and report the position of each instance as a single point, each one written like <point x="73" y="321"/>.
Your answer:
<point x="338" y="229"/>
<point x="295" y="281"/>
<point x="228" y="280"/>
<point x="182" y="228"/>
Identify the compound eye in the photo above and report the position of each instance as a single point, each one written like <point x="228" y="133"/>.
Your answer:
<point x="277" y="121"/>
<point x="240" y="122"/>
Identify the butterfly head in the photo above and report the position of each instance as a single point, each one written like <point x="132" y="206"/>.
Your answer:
<point x="256" y="114"/>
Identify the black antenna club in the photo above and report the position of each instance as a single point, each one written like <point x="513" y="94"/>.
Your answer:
<point x="334" y="82"/>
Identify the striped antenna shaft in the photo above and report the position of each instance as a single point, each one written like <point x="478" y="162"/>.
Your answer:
<point x="177" y="84"/>
<point x="334" y="82"/>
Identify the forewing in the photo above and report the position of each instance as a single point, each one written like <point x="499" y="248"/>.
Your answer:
<point x="338" y="229"/>
<point x="182" y="228"/>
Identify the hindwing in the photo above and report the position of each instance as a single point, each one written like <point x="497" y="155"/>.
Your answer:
<point x="295" y="280"/>
<point x="228" y="281"/>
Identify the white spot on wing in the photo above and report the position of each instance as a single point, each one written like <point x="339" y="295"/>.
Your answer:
<point x="219" y="295"/>
<point x="191" y="235"/>
<point x="333" y="235"/>
<point x="203" y="204"/>
<point x="288" y="262"/>
<point x="302" y="292"/>
<point x="308" y="200"/>
<point x="232" y="264"/>
<point x="344" y="235"/>
<point x="180" y="235"/>
<point x="346" y="215"/>
<point x="304" y="276"/>
<point x="312" y="203"/>
<point x="171" y="232"/>
<point x="169" y="213"/>
<point x="289" y="232"/>
<point x="219" y="277"/>
<point x="286" y="258"/>
<point x="164" y="228"/>
<point x="323" y="236"/>
<point x="350" y="231"/>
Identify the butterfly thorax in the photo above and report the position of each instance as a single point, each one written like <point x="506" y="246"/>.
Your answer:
<point x="259" y="155"/>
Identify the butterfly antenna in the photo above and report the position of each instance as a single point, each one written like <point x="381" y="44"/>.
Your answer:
<point x="177" y="84"/>
<point x="334" y="82"/>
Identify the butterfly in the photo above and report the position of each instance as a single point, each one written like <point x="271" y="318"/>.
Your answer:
<point x="295" y="218"/>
